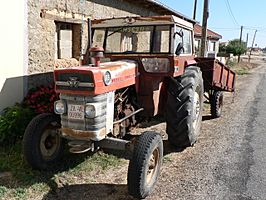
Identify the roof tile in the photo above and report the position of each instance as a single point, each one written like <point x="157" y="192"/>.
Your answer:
<point x="211" y="34"/>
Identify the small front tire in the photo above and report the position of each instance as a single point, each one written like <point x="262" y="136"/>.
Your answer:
<point x="144" y="166"/>
<point x="42" y="144"/>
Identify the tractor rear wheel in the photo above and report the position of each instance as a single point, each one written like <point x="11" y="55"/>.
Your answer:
<point x="144" y="166"/>
<point x="216" y="104"/>
<point x="184" y="107"/>
<point x="42" y="144"/>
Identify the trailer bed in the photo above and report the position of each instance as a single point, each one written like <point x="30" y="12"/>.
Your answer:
<point x="216" y="75"/>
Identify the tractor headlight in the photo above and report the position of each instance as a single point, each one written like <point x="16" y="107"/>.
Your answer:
<point x="92" y="110"/>
<point x="156" y="65"/>
<point x="107" y="78"/>
<point x="59" y="107"/>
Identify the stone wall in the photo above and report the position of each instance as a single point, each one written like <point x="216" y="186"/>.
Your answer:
<point x="42" y="30"/>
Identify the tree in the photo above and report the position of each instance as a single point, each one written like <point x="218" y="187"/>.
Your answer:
<point x="235" y="47"/>
<point x="222" y="48"/>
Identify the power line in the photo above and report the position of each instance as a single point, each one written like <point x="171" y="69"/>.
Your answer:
<point x="259" y="28"/>
<point x="262" y="30"/>
<point x="254" y="28"/>
<point x="261" y="33"/>
<point x="230" y="12"/>
<point x="224" y="28"/>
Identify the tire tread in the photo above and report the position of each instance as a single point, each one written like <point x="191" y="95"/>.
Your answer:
<point x="179" y="107"/>
<point x="144" y="144"/>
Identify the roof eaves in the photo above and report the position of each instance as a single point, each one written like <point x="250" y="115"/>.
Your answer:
<point x="171" y="11"/>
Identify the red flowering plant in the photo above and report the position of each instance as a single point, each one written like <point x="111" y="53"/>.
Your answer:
<point x="41" y="99"/>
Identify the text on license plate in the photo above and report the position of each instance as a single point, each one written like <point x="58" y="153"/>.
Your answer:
<point x="76" y="111"/>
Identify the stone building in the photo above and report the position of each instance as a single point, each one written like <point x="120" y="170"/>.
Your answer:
<point x="50" y="33"/>
<point x="58" y="29"/>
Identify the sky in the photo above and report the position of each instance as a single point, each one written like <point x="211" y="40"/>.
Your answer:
<point x="227" y="16"/>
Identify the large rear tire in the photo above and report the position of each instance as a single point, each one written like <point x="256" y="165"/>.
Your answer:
<point x="184" y="107"/>
<point x="144" y="166"/>
<point x="42" y="144"/>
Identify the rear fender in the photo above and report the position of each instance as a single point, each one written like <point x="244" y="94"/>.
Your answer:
<point x="190" y="62"/>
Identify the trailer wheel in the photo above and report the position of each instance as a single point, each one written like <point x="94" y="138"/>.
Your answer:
<point x="184" y="107"/>
<point x="42" y="144"/>
<point x="144" y="166"/>
<point x="216" y="104"/>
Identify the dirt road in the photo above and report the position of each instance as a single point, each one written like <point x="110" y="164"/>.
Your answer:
<point x="227" y="162"/>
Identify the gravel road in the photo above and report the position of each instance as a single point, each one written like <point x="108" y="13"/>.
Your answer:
<point x="227" y="162"/>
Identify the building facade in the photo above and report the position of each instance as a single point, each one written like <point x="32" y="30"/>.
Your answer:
<point x="50" y="33"/>
<point x="212" y="47"/>
<point x="13" y="40"/>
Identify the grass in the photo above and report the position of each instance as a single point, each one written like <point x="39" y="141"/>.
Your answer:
<point x="242" y="71"/>
<point x="232" y="63"/>
<point x="167" y="159"/>
<point x="3" y="191"/>
<point x="242" y="68"/>
<point x="19" y="181"/>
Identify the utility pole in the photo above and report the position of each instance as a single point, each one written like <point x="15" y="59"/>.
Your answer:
<point x="204" y="27"/>
<point x="240" y="41"/>
<point x="252" y="45"/>
<point x="195" y="10"/>
<point x="247" y="43"/>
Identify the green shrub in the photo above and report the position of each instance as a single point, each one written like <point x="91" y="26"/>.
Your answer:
<point x="13" y="123"/>
<point x="231" y="63"/>
<point x="15" y="119"/>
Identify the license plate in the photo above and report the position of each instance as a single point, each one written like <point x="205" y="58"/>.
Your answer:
<point x="76" y="111"/>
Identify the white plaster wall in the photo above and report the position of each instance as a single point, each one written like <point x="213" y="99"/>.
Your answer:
<point x="13" y="51"/>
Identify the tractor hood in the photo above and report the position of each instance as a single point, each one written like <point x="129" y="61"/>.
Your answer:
<point x="90" y="80"/>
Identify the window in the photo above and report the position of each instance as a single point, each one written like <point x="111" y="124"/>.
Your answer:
<point x="129" y="39"/>
<point x="98" y="37"/>
<point x="197" y="46"/>
<point x="133" y="39"/>
<point x="186" y="40"/>
<point x="212" y="46"/>
<point x="67" y="40"/>
<point x="162" y="39"/>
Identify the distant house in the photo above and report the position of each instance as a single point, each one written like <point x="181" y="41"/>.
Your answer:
<point x="257" y="49"/>
<point x="212" y="40"/>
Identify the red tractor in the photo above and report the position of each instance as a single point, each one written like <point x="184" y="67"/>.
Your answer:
<point x="141" y="67"/>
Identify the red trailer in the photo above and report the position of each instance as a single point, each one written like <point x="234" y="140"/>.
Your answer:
<point x="216" y="75"/>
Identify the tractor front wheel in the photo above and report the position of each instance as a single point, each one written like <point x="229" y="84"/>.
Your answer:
<point x="42" y="144"/>
<point x="144" y="166"/>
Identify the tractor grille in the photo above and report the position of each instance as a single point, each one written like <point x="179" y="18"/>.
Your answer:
<point x="74" y="81"/>
<point x="81" y="77"/>
<point x="87" y="124"/>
